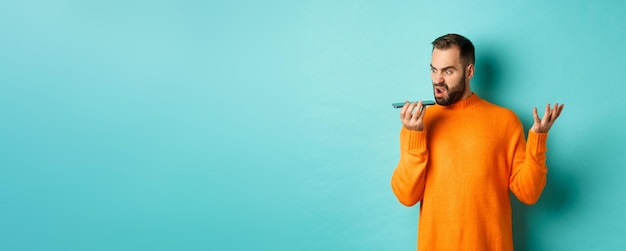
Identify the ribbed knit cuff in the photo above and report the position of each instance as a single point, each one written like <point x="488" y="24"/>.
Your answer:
<point x="537" y="142"/>
<point x="412" y="140"/>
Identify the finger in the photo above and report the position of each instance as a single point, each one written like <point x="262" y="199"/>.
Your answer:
<point x="560" y="109"/>
<point x="404" y="108"/>
<point x="535" y="115"/>
<point x="419" y="117"/>
<point x="420" y="110"/>
<point x="408" y="114"/>
<point x="415" y="107"/>
<point x="546" y="115"/>
<point x="554" y="112"/>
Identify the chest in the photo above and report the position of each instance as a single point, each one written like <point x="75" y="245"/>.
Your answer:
<point x="468" y="148"/>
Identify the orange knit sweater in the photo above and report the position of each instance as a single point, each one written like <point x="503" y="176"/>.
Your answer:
<point x="461" y="168"/>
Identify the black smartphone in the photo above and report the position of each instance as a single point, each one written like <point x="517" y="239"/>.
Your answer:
<point x="424" y="102"/>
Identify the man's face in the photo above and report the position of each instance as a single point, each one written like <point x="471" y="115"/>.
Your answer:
<point x="448" y="76"/>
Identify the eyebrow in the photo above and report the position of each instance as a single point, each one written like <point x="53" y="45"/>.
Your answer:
<point x="444" y="68"/>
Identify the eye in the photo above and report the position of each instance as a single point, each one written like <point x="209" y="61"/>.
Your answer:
<point x="433" y="70"/>
<point x="448" y="72"/>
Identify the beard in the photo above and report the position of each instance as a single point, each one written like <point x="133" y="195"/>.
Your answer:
<point x="452" y="95"/>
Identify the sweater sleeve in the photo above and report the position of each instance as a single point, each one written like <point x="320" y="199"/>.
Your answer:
<point x="408" y="179"/>
<point x="528" y="176"/>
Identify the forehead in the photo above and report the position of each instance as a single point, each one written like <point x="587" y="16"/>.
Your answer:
<point x="446" y="57"/>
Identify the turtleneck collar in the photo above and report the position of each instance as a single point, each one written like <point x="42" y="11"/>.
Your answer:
<point x="465" y="103"/>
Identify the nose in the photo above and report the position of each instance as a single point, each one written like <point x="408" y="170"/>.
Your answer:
<point x="437" y="77"/>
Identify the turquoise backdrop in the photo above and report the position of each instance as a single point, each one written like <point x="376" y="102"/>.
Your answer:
<point x="267" y="125"/>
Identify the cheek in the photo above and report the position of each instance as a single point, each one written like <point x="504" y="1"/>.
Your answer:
<point x="458" y="78"/>
<point x="453" y="81"/>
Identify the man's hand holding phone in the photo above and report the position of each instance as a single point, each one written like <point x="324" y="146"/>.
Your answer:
<point x="410" y="119"/>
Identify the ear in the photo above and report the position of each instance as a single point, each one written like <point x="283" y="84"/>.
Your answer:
<point x="469" y="71"/>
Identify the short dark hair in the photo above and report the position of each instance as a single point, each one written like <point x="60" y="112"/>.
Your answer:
<point x="465" y="46"/>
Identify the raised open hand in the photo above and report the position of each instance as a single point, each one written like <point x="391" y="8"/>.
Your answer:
<point x="543" y="125"/>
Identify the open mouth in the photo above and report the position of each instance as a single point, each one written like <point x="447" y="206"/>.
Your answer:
<point x="440" y="90"/>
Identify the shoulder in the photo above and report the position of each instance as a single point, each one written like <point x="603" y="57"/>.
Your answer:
<point x="498" y="113"/>
<point x="491" y="107"/>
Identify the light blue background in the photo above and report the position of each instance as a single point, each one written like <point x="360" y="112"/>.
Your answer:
<point x="267" y="125"/>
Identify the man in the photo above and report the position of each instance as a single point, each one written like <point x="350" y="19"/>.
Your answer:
<point x="461" y="157"/>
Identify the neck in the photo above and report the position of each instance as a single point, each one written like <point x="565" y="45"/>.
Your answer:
<point x="465" y="103"/>
<point x="468" y="91"/>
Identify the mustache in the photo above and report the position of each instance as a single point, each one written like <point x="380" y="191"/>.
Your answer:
<point x="443" y="84"/>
